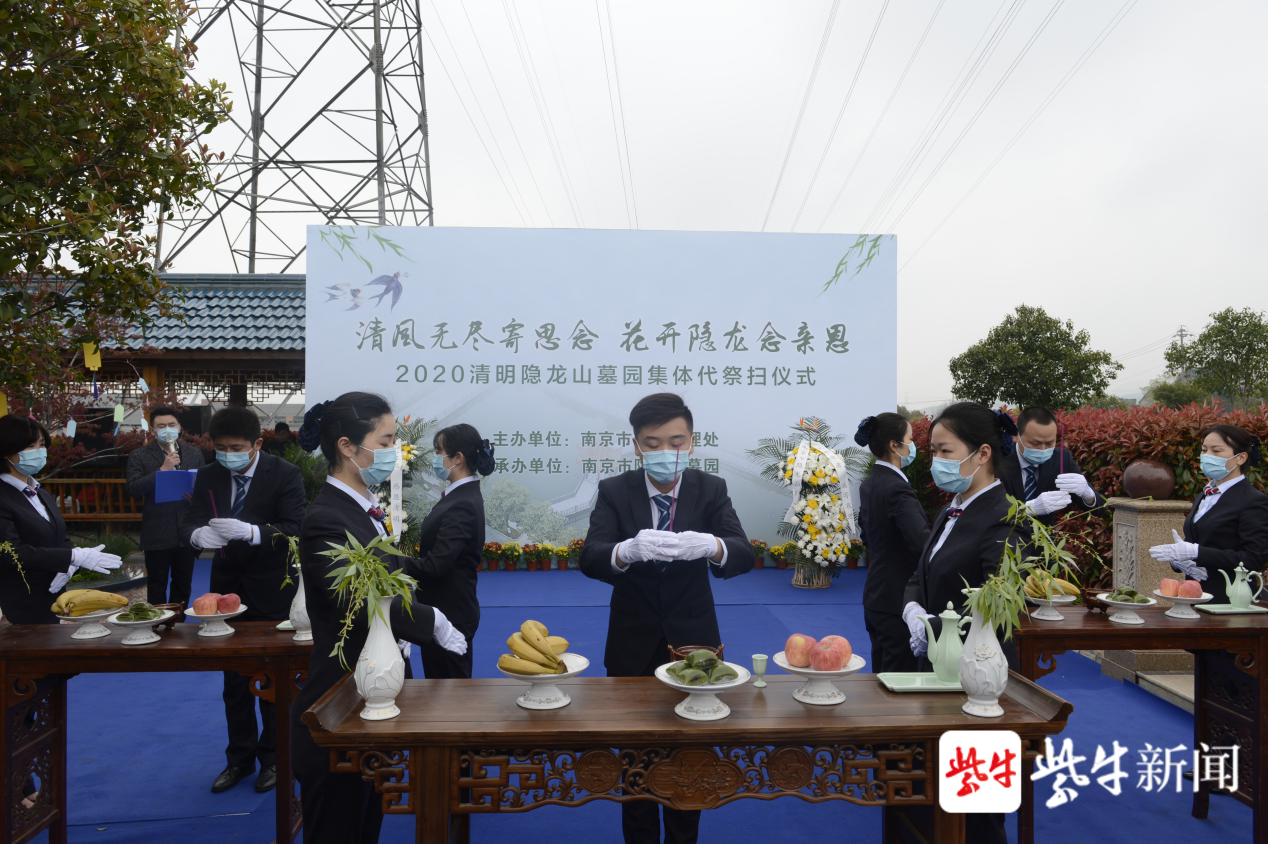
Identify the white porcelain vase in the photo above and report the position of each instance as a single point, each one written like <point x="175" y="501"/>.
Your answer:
<point x="380" y="671"/>
<point x="983" y="670"/>
<point x="299" y="614"/>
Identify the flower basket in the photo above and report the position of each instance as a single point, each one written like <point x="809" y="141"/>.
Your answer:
<point x="807" y="574"/>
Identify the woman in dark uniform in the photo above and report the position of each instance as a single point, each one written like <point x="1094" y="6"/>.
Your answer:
<point x="357" y="436"/>
<point x="894" y="531"/>
<point x="967" y="540"/>
<point x="451" y="543"/>
<point x="31" y="524"/>
<point x="1228" y="523"/>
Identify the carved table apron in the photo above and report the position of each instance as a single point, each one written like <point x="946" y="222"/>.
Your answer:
<point x="462" y="747"/>
<point x="1230" y="691"/>
<point x="37" y="659"/>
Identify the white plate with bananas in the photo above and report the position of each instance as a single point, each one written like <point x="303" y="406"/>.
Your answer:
<point x="1048" y="592"/>
<point x="1047" y="605"/>
<point x="542" y="661"/>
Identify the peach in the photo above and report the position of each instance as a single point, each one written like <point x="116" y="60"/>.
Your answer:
<point x="1169" y="587"/>
<point x="206" y="604"/>
<point x="797" y="650"/>
<point x="228" y="603"/>
<point x="828" y="656"/>
<point x="1190" y="589"/>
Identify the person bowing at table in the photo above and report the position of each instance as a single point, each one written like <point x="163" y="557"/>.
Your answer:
<point x="894" y="532"/>
<point x="42" y="559"/>
<point x="656" y="534"/>
<point x="1228" y="523"/>
<point x="357" y="435"/>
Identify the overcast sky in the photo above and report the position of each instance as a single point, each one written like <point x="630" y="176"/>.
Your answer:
<point x="1132" y="205"/>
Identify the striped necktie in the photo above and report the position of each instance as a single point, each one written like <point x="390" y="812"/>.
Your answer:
<point x="240" y="483"/>
<point x="664" y="504"/>
<point x="1032" y="481"/>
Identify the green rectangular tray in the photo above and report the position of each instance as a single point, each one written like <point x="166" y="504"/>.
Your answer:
<point x="916" y="681"/>
<point x="1229" y="609"/>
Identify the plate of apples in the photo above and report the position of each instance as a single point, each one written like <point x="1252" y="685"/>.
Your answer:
<point x="820" y="662"/>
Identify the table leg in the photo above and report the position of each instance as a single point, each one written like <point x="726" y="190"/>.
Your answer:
<point x="1027" y="659"/>
<point x="948" y="828"/>
<point x="280" y="677"/>
<point x="1026" y="814"/>
<point x="57" y="831"/>
<point x="429" y="782"/>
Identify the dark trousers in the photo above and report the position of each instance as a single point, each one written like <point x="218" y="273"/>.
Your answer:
<point x="440" y="664"/>
<point x="248" y="740"/>
<point x="179" y="563"/>
<point x="641" y="819"/>
<point x="340" y="809"/>
<point x="891" y="648"/>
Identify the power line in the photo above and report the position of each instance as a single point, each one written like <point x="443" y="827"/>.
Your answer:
<point x="845" y="103"/>
<point x="801" y="112"/>
<point x="620" y="104"/>
<point x="515" y="135"/>
<point x="964" y="131"/>
<point x="982" y="50"/>
<point x="1087" y="54"/>
<point x="902" y="77"/>
<point x="616" y="138"/>
<point x="520" y="37"/>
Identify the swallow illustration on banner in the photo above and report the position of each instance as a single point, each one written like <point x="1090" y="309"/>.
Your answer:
<point x="391" y="285"/>
<point x="345" y="292"/>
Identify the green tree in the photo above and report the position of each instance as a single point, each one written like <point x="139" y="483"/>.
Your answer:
<point x="99" y="139"/>
<point x="1032" y="358"/>
<point x="512" y="509"/>
<point x="1229" y="357"/>
<point x="1176" y="393"/>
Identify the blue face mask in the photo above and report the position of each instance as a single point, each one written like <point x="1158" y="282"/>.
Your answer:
<point x="438" y="466"/>
<point x="381" y="468"/>
<point x="946" y="474"/>
<point x="910" y="456"/>
<point x="1213" y="466"/>
<point x="663" y="466"/>
<point x="1035" y="456"/>
<point x="168" y="435"/>
<point x="31" y="461"/>
<point x="234" y="461"/>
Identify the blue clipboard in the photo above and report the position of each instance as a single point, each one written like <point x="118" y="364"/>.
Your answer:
<point x="174" y="485"/>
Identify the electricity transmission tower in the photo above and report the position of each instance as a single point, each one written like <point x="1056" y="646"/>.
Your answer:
<point x="329" y="125"/>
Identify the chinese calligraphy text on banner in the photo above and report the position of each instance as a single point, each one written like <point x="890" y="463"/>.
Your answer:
<point x="544" y="339"/>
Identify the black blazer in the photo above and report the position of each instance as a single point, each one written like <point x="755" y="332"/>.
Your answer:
<point x="160" y="527"/>
<point x="452" y="544"/>
<point x="895" y="531"/>
<point x="332" y="515"/>
<point x="672" y="603"/>
<point x="971" y="553"/>
<point x="1234" y="530"/>
<point x="275" y="503"/>
<point x="1011" y="476"/>
<point x="44" y="550"/>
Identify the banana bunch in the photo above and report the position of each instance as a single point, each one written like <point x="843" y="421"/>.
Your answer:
<point x="77" y="602"/>
<point x="533" y="651"/>
<point x="1041" y="584"/>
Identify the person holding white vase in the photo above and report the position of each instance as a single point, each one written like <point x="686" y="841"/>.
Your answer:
<point x="967" y="541"/>
<point x="357" y="435"/>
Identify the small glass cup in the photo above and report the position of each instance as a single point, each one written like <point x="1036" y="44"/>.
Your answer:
<point x="759" y="670"/>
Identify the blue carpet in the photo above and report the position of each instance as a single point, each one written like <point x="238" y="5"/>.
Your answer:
<point x="170" y="731"/>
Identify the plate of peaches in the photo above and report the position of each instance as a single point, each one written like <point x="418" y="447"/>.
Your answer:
<point x="212" y="610"/>
<point x="1182" y="594"/>
<point x="820" y="662"/>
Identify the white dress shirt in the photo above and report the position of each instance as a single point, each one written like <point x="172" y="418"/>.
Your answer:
<point x="652" y="492"/>
<point x="367" y="504"/>
<point x="1207" y="502"/>
<point x="248" y="473"/>
<point x="15" y="482"/>
<point x="963" y="505"/>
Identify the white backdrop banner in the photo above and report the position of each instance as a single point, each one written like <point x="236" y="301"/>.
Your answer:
<point x="543" y="339"/>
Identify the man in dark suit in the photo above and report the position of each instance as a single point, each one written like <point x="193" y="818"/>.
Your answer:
<point x="656" y="534"/>
<point x="165" y="551"/>
<point x="242" y="507"/>
<point x="1042" y="472"/>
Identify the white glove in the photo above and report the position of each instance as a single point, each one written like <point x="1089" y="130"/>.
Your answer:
<point x="1181" y="555"/>
<point x="62" y="579"/>
<point x="448" y="636"/>
<point x="695" y="546"/>
<point x="914" y="617"/>
<point x="1048" y="502"/>
<point x="648" y="545"/>
<point x="1076" y="484"/>
<point x="94" y="559"/>
<point x="207" y="538"/>
<point x="231" y="529"/>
